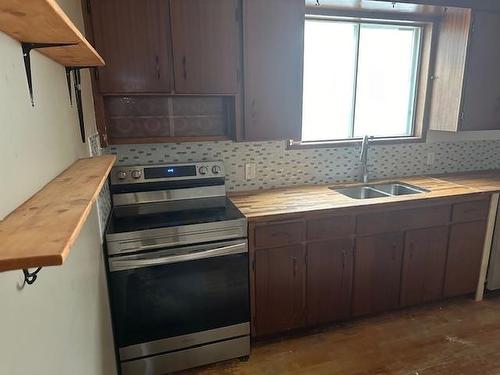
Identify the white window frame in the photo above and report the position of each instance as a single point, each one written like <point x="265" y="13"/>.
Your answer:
<point x="417" y="131"/>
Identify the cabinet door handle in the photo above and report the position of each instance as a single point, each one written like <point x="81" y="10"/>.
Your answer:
<point x="344" y="259"/>
<point x="184" y="68"/>
<point x="394" y="251"/>
<point x="294" y="262"/>
<point x="411" y="250"/>
<point x="157" y="64"/>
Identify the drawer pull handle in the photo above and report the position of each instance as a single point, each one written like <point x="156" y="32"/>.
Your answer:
<point x="157" y="64"/>
<point x="184" y="68"/>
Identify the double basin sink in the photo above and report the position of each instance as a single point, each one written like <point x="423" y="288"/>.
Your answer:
<point x="382" y="190"/>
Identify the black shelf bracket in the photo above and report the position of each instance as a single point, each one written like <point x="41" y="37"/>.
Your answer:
<point x="70" y="69"/>
<point x="77" y="84"/>
<point x="30" y="277"/>
<point x="68" y="81"/>
<point x="27" y="47"/>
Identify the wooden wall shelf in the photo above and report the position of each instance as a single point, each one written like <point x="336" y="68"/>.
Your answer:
<point x="42" y="230"/>
<point x="43" y="21"/>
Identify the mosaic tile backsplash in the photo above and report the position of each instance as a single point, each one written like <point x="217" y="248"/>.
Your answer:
<point x="279" y="167"/>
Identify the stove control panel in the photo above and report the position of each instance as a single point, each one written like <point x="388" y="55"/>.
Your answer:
<point x="166" y="172"/>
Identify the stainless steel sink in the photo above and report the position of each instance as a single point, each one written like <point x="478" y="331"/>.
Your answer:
<point x="399" y="188"/>
<point x="361" y="192"/>
<point x="379" y="190"/>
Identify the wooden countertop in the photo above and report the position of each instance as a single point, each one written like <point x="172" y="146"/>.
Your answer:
<point x="277" y="202"/>
<point x="42" y="230"/>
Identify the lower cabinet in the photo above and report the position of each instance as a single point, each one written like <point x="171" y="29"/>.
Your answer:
<point x="424" y="264"/>
<point x="464" y="258"/>
<point x="329" y="280"/>
<point x="377" y="273"/>
<point x="320" y="269"/>
<point x="280" y="278"/>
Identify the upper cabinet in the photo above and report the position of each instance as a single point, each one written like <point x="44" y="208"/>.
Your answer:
<point x="273" y="49"/>
<point x="206" y="46"/>
<point x="134" y="37"/>
<point x="481" y="107"/>
<point x="466" y="81"/>
<point x="174" y="69"/>
<point x="158" y="50"/>
<point x="168" y="46"/>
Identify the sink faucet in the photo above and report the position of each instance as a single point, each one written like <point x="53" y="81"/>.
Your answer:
<point x="363" y="158"/>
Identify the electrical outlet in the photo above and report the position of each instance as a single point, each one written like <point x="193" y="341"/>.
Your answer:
<point x="250" y="171"/>
<point x="430" y="158"/>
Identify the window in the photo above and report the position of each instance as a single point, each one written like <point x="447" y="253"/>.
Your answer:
<point x="359" y="79"/>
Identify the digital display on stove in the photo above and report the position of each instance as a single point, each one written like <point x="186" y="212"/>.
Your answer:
<point x="173" y="171"/>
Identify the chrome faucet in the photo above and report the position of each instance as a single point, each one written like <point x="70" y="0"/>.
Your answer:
<point x="363" y="158"/>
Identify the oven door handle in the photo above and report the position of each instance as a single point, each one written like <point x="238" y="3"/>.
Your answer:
<point x="117" y="264"/>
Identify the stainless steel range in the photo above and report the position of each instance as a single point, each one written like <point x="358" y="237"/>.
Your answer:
<point x="178" y="268"/>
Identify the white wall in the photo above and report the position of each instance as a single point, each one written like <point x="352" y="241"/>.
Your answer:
<point x="42" y="140"/>
<point x="61" y="324"/>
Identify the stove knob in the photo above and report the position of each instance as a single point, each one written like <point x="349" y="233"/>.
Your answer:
<point x="122" y="175"/>
<point x="136" y="174"/>
<point x="203" y="170"/>
<point x="216" y="169"/>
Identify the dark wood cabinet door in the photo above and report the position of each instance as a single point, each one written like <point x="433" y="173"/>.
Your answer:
<point x="133" y="37"/>
<point x="424" y="264"/>
<point x="377" y="273"/>
<point x="279" y="289"/>
<point x="464" y="258"/>
<point x="329" y="280"/>
<point x="206" y="45"/>
<point x="273" y="54"/>
<point x="481" y="100"/>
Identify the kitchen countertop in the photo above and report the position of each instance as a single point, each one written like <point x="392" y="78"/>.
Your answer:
<point x="301" y="199"/>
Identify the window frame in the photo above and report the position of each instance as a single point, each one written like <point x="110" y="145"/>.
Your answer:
<point x="423" y="75"/>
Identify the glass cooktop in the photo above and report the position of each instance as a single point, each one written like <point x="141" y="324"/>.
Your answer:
<point x="131" y="219"/>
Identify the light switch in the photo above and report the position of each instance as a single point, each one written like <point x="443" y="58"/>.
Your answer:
<point x="250" y="171"/>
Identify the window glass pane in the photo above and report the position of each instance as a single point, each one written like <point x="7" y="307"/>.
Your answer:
<point x="329" y="73"/>
<point x="386" y="80"/>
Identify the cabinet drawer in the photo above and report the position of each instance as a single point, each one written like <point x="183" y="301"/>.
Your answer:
<point x="411" y="218"/>
<point x="330" y="227"/>
<point x="279" y="234"/>
<point x="471" y="211"/>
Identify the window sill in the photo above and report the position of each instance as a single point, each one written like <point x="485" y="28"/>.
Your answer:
<point x="296" y="145"/>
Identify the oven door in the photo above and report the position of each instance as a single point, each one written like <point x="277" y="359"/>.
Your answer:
<point x="179" y="297"/>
